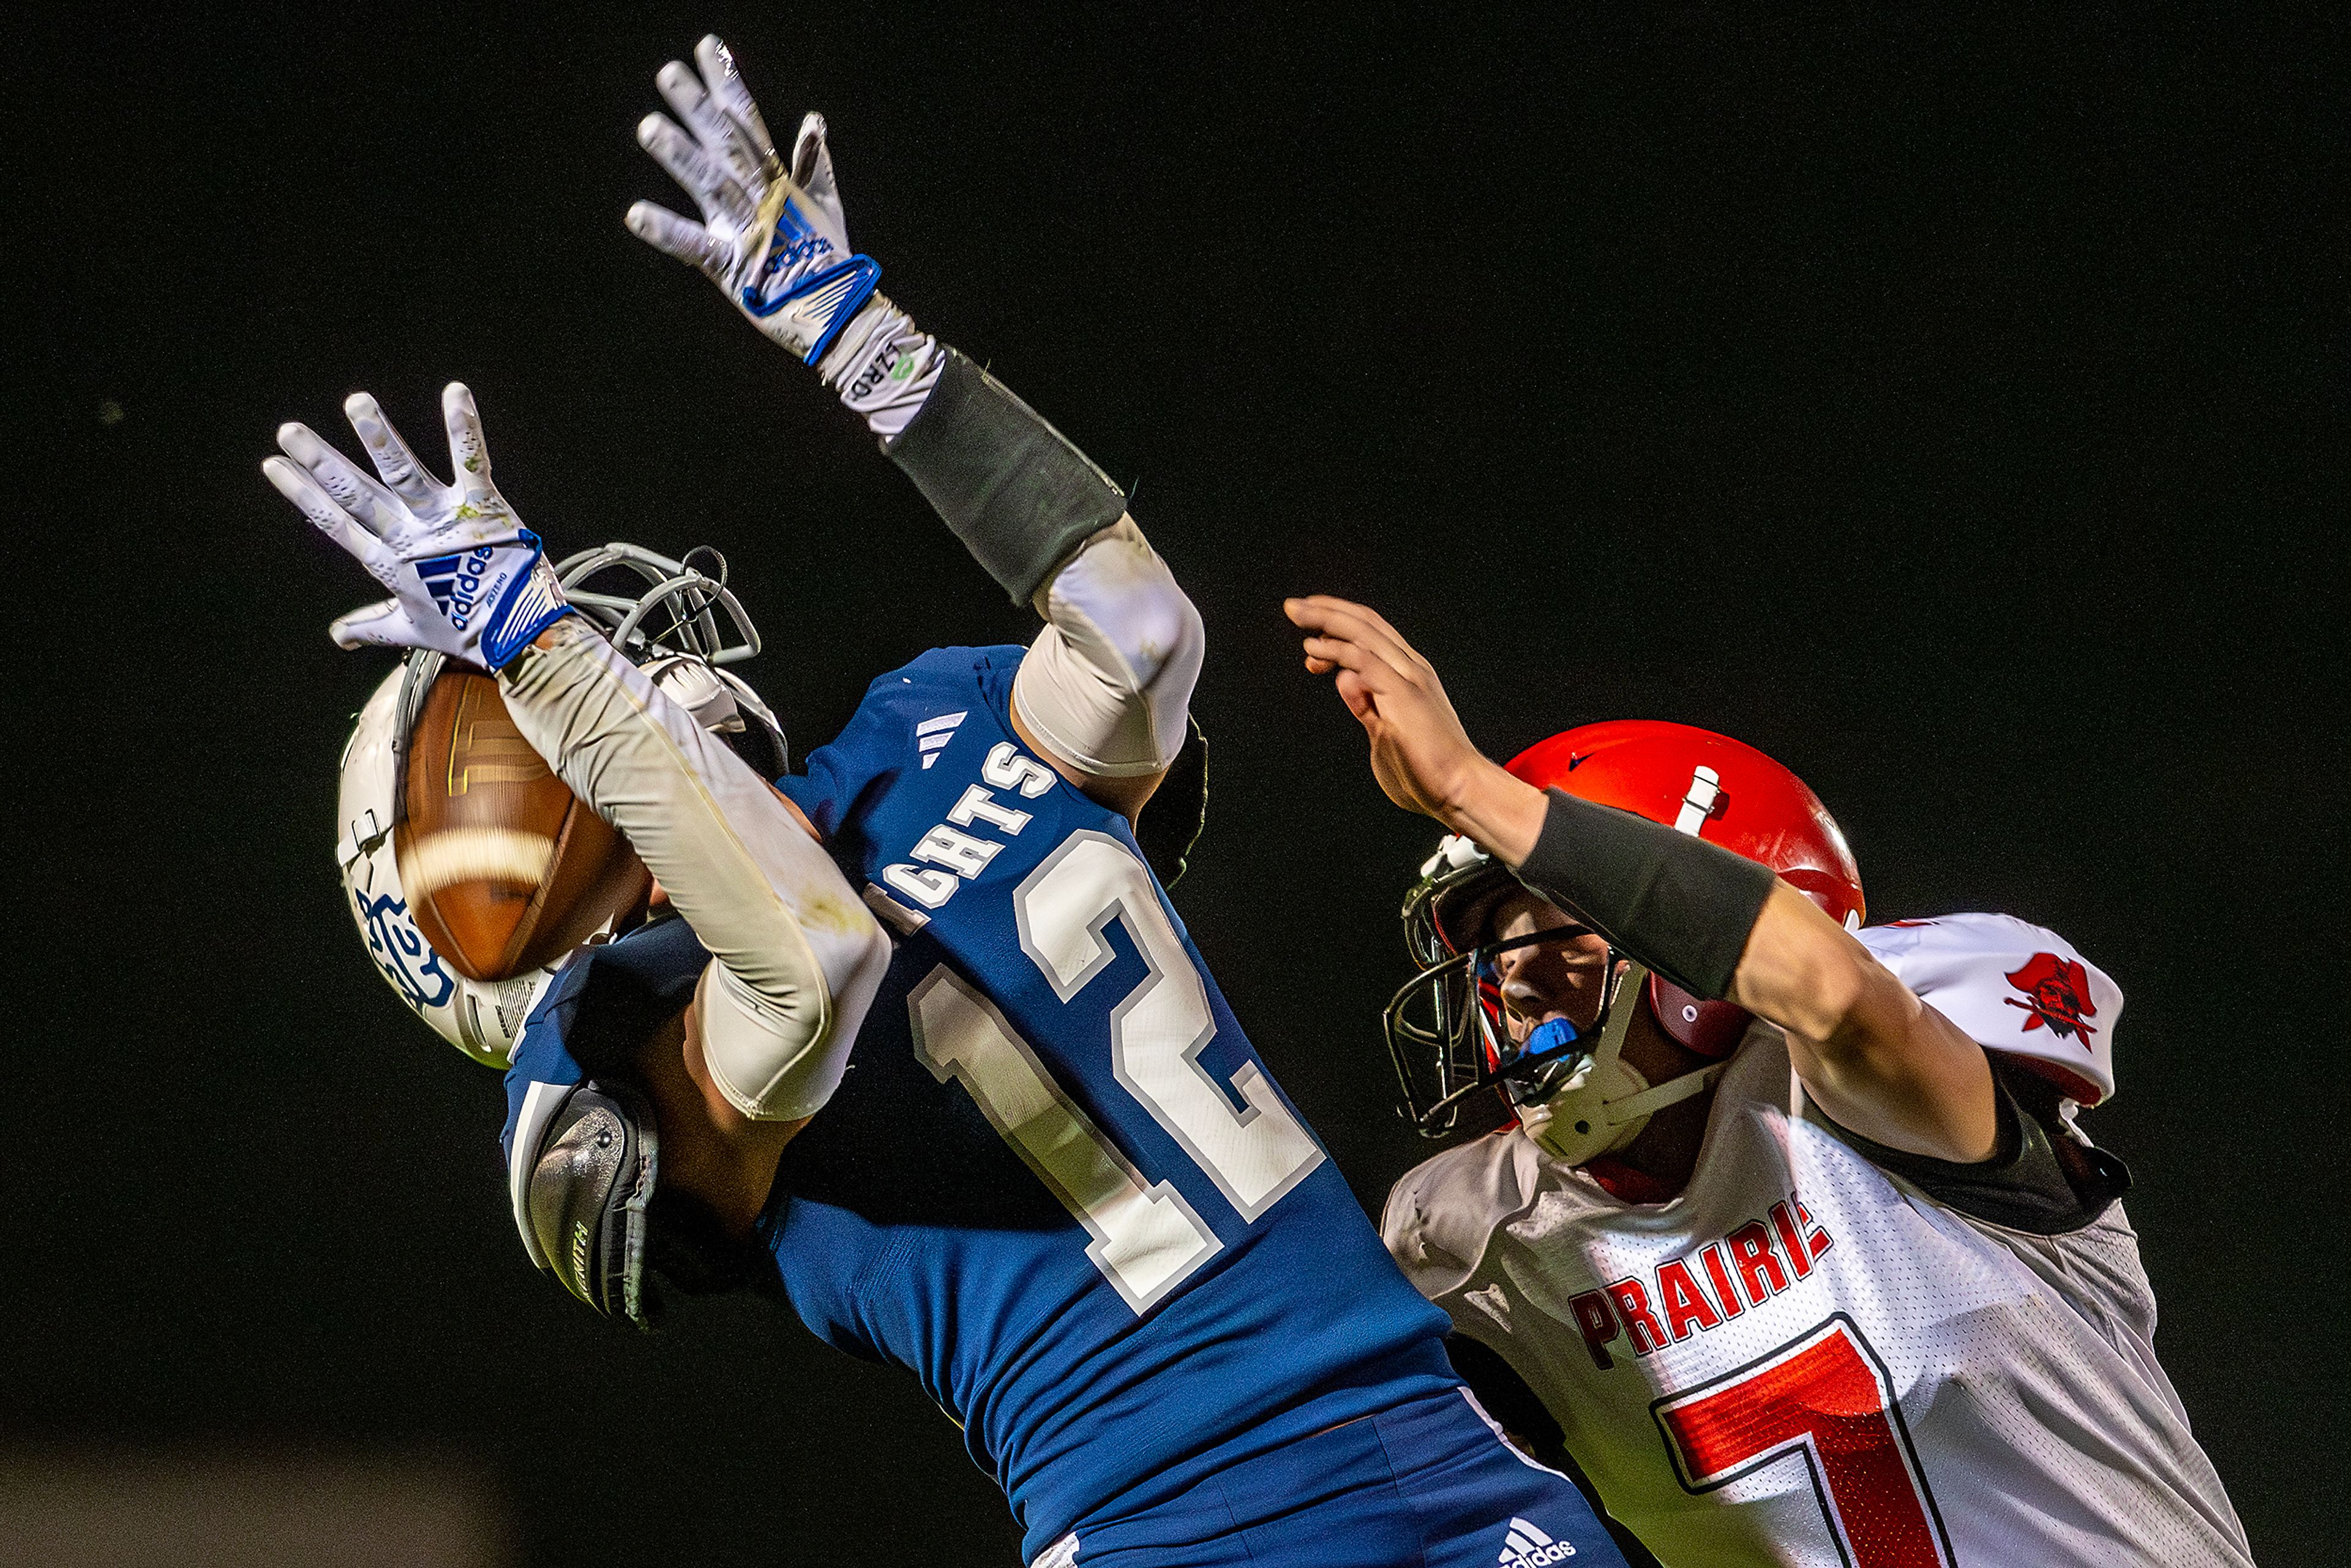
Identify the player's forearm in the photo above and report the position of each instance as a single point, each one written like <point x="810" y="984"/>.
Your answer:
<point x="883" y="367"/>
<point x="1853" y="1019"/>
<point x="1805" y="973"/>
<point x="1022" y="497"/>
<point x="799" y="957"/>
<point x="1013" y="488"/>
<point x="1714" y="922"/>
<point x="1684" y="908"/>
<point x="1481" y="801"/>
<point x="1720" y="925"/>
<point x="1108" y="685"/>
<point x="1017" y="493"/>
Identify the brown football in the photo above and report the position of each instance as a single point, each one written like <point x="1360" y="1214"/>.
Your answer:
<point x="504" y="868"/>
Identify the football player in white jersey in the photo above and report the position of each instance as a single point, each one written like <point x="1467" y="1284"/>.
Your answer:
<point x="1794" y="1236"/>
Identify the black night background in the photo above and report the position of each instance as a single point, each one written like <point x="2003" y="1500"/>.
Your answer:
<point x="1950" y="406"/>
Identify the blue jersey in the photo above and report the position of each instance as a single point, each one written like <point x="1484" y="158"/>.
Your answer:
<point x="1056" y="1184"/>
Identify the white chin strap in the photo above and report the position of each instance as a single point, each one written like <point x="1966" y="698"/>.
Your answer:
<point x="1607" y="1102"/>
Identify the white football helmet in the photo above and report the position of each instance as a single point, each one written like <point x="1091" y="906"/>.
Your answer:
<point x="680" y="628"/>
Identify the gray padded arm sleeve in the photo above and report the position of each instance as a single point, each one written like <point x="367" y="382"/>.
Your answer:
<point x="797" y="957"/>
<point x="1011" y="486"/>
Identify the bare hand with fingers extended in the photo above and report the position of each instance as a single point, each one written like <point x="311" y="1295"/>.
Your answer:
<point x="1421" y="755"/>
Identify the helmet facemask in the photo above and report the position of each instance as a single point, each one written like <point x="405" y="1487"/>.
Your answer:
<point x="683" y="629"/>
<point x="1445" y="1032"/>
<point x="1571" y="1089"/>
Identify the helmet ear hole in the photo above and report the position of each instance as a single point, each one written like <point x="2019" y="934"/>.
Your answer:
<point x="1711" y="1029"/>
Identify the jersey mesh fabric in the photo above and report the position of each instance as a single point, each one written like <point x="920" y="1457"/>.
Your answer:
<point x="905" y="1228"/>
<point x="2029" y="1421"/>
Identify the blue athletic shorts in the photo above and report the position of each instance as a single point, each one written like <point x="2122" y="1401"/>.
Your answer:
<point x="1429" y="1484"/>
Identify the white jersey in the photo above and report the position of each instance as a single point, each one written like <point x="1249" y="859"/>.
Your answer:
<point x="1805" y="1360"/>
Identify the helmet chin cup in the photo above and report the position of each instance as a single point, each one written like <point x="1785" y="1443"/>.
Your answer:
<point x="1576" y="1124"/>
<point x="1605" y="1102"/>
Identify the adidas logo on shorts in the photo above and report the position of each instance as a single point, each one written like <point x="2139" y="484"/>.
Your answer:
<point x="1526" y="1546"/>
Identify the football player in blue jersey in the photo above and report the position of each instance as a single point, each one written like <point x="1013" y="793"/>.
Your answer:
<point x="1113" y="1253"/>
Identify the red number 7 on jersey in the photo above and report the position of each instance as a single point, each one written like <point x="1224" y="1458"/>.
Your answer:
<point x="1823" y="1395"/>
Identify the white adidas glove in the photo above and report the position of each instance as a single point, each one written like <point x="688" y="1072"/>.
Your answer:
<point x="466" y="578"/>
<point x="772" y="237"/>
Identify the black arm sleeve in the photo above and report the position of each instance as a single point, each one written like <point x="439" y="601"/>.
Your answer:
<point x="1013" y="488"/>
<point x="1680" y="906"/>
<point x="2041" y="1179"/>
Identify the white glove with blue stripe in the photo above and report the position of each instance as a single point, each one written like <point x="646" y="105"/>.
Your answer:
<point x="772" y="237"/>
<point x="466" y="578"/>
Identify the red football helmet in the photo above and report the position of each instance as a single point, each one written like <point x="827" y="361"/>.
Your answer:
<point x="1723" y="790"/>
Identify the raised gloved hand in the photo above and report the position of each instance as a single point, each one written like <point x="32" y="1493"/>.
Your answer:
<point x="772" y="237"/>
<point x="466" y="578"/>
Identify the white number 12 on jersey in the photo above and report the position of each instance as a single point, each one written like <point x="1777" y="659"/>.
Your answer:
<point x="1146" y="1239"/>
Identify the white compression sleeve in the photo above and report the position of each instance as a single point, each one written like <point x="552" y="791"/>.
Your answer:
<point x="798" y="957"/>
<point x="1108" y="684"/>
<point x="884" y="367"/>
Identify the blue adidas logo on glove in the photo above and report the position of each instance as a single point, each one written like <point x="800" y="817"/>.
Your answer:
<point x="466" y="579"/>
<point x="454" y="581"/>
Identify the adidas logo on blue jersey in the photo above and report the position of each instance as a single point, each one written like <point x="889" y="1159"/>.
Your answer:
<point x="931" y="736"/>
<point x="1526" y="1546"/>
